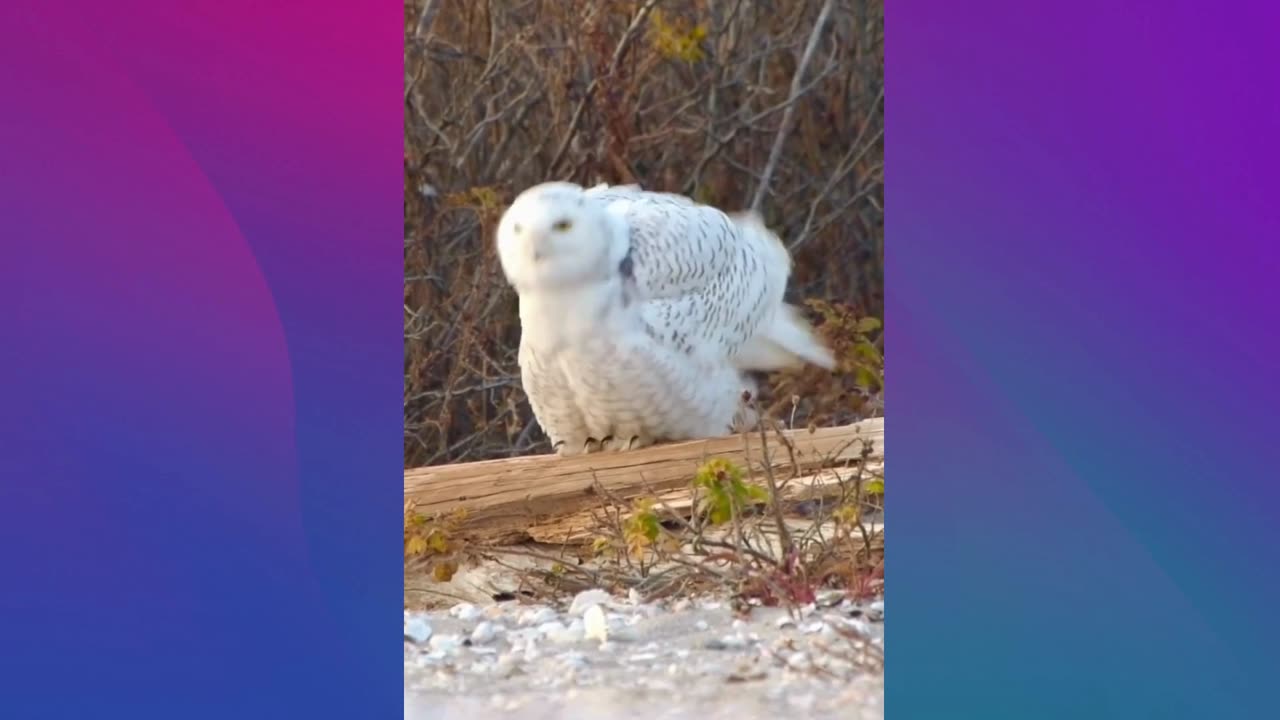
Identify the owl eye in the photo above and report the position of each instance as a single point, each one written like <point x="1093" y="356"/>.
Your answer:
<point x="517" y="228"/>
<point x="561" y="225"/>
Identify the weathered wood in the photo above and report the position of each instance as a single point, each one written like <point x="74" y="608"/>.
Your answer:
<point x="581" y="526"/>
<point x="504" y="498"/>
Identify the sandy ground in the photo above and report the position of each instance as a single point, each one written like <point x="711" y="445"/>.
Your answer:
<point x="686" y="659"/>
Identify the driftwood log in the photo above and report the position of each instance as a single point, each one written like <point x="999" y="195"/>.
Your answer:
<point x="551" y="499"/>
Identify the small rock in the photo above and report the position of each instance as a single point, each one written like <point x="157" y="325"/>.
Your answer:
<point x="550" y="628"/>
<point x="430" y="658"/>
<point x="701" y="625"/>
<point x="573" y="633"/>
<point x="681" y="605"/>
<point x="728" y="642"/>
<point x="837" y="666"/>
<point x="634" y="597"/>
<point x="445" y="643"/>
<point x="586" y="599"/>
<point x="876" y="610"/>
<point x="482" y="633"/>
<point x="595" y="627"/>
<point x="574" y="659"/>
<point x="417" y="630"/>
<point x="537" y="616"/>
<point x="813" y="627"/>
<point x="465" y="611"/>
<point x="830" y="598"/>
<point x="798" y="661"/>
<point x="785" y="622"/>
<point x="738" y="624"/>
<point x="505" y="665"/>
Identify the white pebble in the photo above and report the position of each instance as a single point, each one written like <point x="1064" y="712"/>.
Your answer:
<point x="551" y="628"/>
<point x="537" y="616"/>
<point x="567" y="635"/>
<point x="417" y="630"/>
<point x="482" y="633"/>
<point x="701" y="625"/>
<point x="505" y="665"/>
<point x="829" y="598"/>
<point x="594" y="625"/>
<point x="586" y="599"/>
<point x="574" y="659"/>
<point x="634" y="597"/>
<point x="785" y="622"/>
<point x="728" y="642"/>
<point x="445" y="643"/>
<point x="465" y="611"/>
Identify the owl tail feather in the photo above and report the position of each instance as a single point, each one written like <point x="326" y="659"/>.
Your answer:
<point x="787" y="341"/>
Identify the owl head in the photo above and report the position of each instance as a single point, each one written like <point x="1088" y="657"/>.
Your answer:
<point x="556" y="237"/>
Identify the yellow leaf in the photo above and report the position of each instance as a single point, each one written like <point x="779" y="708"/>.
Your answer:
<point x="437" y="542"/>
<point x="443" y="572"/>
<point x="415" y="546"/>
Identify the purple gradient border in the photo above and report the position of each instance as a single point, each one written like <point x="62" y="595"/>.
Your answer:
<point x="200" y="383"/>
<point x="203" y="268"/>
<point x="1082" y="317"/>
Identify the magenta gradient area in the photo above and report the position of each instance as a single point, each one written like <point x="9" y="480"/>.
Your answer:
<point x="201" y="210"/>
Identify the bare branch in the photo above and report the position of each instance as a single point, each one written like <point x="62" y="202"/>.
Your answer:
<point x="785" y="126"/>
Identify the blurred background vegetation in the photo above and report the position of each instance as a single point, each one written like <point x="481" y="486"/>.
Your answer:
<point x="686" y="96"/>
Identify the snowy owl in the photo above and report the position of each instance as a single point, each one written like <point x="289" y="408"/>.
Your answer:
<point x="642" y="314"/>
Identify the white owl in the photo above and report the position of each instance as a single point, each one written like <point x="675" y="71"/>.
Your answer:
<point x="642" y="314"/>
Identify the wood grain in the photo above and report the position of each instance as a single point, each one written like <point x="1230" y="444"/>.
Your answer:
<point x="506" y="498"/>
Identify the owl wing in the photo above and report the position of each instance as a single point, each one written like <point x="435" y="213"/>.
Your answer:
<point x="709" y="282"/>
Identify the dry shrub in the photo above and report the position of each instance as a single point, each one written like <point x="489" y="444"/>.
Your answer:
<point x="687" y="97"/>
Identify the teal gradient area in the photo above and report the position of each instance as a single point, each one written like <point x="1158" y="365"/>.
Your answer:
<point x="1082" y="233"/>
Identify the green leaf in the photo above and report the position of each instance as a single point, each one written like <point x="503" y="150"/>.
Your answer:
<point x="867" y="379"/>
<point x="868" y="324"/>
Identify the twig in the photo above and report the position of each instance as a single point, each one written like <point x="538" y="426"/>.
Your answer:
<point x="618" y="54"/>
<point x="785" y="126"/>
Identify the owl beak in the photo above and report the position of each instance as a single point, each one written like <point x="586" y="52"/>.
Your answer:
<point x="539" y="249"/>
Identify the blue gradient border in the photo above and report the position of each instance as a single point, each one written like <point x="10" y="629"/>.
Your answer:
<point x="200" y="389"/>
<point x="1082" y="208"/>
<point x="202" y="280"/>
